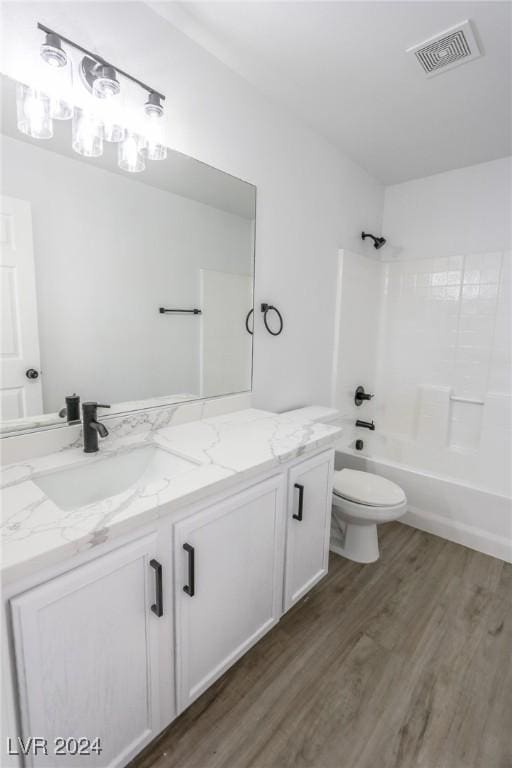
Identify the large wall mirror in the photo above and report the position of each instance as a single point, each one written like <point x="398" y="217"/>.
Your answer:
<point x="91" y="254"/>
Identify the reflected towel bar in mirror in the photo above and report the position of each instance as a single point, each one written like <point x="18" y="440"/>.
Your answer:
<point x="164" y="311"/>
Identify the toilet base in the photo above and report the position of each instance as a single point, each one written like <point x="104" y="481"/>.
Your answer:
<point x="355" y="542"/>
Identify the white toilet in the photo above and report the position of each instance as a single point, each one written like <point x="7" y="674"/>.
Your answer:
<point x="361" y="500"/>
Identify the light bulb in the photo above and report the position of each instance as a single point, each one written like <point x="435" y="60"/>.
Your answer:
<point x="87" y="138"/>
<point x="129" y="153"/>
<point x="33" y="112"/>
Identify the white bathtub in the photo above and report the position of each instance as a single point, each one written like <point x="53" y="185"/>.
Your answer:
<point x="441" y="501"/>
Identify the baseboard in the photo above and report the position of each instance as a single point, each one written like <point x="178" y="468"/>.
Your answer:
<point x="469" y="536"/>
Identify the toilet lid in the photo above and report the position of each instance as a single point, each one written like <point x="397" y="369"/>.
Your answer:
<point x="367" y="488"/>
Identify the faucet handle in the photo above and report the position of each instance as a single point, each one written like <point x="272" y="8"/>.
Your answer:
<point x="361" y="395"/>
<point x="100" y="405"/>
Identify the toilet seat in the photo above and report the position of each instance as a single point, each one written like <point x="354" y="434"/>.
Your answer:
<point x="367" y="489"/>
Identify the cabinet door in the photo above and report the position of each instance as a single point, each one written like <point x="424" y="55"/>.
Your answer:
<point x="308" y="525"/>
<point x="87" y="657"/>
<point x="229" y="575"/>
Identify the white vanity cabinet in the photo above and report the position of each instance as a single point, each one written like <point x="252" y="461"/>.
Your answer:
<point x="90" y="658"/>
<point x="308" y="525"/>
<point x="93" y="657"/>
<point x="229" y="579"/>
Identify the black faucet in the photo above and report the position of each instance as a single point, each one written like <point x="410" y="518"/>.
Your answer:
<point x="367" y="424"/>
<point x="72" y="410"/>
<point x="92" y="427"/>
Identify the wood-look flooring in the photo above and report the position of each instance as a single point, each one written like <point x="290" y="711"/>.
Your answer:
<point x="404" y="663"/>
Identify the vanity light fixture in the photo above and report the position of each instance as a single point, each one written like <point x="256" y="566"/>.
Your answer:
<point x="100" y="120"/>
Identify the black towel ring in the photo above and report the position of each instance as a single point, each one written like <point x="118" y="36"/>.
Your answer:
<point x="247" y="321"/>
<point x="267" y="308"/>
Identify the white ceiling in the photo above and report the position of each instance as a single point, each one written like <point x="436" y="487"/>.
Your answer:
<point x="342" y="67"/>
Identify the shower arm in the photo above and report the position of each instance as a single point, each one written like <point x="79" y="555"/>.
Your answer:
<point x="364" y="235"/>
<point x="378" y="242"/>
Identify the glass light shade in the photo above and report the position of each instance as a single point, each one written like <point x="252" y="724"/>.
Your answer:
<point x="60" y="109"/>
<point x="113" y="132"/>
<point x="155" y="151"/>
<point x="54" y="57"/>
<point x="56" y="82"/>
<point x="129" y="153"/>
<point x="87" y="133"/>
<point x="112" y="119"/>
<point x="154" y="148"/>
<point x="33" y="112"/>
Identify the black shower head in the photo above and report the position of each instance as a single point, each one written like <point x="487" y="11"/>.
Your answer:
<point x="378" y="242"/>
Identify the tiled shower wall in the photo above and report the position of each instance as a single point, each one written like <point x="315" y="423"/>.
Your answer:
<point x="444" y="362"/>
<point x="446" y="331"/>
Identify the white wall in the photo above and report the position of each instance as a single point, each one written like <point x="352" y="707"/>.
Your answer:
<point x="109" y="250"/>
<point x="360" y="287"/>
<point x="311" y="200"/>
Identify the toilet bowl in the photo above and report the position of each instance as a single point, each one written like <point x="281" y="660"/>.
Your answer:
<point x="362" y="500"/>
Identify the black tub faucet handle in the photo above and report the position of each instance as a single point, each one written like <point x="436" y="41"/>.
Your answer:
<point x="360" y="395"/>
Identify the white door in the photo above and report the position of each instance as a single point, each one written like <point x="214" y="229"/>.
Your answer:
<point x="87" y="660"/>
<point x="226" y="345"/>
<point x="19" y="339"/>
<point x="229" y="578"/>
<point x="308" y="525"/>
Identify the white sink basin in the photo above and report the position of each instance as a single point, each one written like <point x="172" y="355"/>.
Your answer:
<point x="104" y="476"/>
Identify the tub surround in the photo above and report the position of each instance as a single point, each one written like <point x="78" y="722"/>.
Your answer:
<point x="225" y="450"/>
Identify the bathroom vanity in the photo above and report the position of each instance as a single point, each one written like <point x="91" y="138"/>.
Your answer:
<point x="121" y="608"/>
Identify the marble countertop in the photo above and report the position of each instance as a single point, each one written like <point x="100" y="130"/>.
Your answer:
<point x="223" y="450"/>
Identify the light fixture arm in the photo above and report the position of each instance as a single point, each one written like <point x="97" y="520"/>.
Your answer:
<point x="99" y="59"/>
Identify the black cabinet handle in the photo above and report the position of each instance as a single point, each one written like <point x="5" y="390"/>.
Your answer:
<point x="190" y="588"/>
<point x="158" y="607"/>
<point x="298" y="516"/>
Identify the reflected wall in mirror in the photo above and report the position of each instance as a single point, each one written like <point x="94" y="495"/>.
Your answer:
<point x="89" y="253"/>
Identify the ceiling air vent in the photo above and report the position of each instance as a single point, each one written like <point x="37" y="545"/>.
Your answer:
<point x="450" y="48"/>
